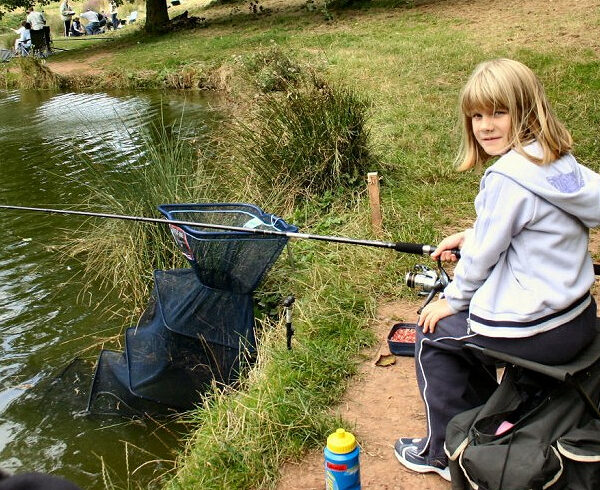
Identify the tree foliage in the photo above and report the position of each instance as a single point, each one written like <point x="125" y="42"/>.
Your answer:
<point x="9" y="5"/>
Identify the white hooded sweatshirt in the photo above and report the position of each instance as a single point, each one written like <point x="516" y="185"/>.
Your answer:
<point x="525" y="266"/>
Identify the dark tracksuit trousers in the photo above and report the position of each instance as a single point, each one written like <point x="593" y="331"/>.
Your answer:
<point x="453" y="379"/>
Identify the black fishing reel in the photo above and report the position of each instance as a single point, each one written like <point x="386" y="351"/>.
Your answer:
<point x="427" y="281"/>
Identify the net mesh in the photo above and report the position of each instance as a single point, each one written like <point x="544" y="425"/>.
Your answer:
<point x="230" y="260"/>
<point x="198" y="326"/>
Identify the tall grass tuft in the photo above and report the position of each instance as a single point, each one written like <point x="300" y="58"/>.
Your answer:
<point x="298" y="146"/>
<point x="272" y="69"/>
<point x="123" y="254"/>
<point x="36" y="75"/>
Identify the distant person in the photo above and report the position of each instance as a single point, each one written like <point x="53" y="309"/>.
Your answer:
<point x="19" y="30"/>
<point x="36" y="19"/>
<point x="38" y="23"/>
<point x="66" y="14"/>
<point x="93" y="25"/>
<point x="76" y="28"/>
<point x="102" y="18"/>
<point x="23" y="42"/>
<point x="114" y="14"/>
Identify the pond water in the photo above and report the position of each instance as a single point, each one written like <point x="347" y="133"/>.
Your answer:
<point x="45" y="320"/>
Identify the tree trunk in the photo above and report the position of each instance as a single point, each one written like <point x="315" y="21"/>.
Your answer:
<point x="157" y="16"/>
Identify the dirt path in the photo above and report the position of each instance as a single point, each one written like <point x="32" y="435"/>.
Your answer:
<point x="384" y="404"/>
<point x="88" y="66"/>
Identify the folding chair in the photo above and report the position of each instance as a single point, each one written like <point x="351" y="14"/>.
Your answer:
<point x="22" y="50"/>
<point x="41" y="42"/>
<point x="570" y="373"/>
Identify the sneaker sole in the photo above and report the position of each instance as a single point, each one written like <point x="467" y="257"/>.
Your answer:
<point x="444" y="473"/>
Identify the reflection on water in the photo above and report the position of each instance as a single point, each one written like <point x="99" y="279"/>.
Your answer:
<point x="46" y="139"/>
<point x="58" y="122"/>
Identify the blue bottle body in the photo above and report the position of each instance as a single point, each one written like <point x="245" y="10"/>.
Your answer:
<point x="342" y="471"/>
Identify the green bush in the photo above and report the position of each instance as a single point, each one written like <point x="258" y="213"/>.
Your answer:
<point x="313" y="140"/>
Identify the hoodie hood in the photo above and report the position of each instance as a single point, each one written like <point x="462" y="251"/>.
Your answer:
<point x="564" y="183"/>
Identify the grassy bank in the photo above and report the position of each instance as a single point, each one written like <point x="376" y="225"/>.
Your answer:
<point x="409" y="61"/>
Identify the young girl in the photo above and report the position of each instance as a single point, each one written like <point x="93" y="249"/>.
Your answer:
<point x="522" y="282"/>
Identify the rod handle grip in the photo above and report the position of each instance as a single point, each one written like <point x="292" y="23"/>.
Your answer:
<point x="414" y="248"/>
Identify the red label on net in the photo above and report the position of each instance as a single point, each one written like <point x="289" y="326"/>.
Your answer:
<point x="181" y="240"/>
<point x="336" y="467"/>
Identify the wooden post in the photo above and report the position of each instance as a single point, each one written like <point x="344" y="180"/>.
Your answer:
<point x="373" y="186"/>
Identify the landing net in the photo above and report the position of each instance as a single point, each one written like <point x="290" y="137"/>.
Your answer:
<point x="198" y="326"/>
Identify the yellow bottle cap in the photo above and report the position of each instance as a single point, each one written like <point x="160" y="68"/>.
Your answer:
<point x="341" y="442"/>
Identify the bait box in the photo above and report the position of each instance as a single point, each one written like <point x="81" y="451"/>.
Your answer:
<point x="401" y="348"/>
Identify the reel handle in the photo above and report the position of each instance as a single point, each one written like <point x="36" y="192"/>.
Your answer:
<point x="456" y="251"/>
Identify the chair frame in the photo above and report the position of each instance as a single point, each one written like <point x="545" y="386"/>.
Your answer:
<point x="566" y="373"/>
<point x="41" y="42"/>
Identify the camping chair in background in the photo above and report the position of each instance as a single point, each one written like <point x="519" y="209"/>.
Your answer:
<point x="21" y="50"/>
<point x="40" y="41"/>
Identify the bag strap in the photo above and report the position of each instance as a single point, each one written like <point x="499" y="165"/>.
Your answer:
<point x="510" y="441"/>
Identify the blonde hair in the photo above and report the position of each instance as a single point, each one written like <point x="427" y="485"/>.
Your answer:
<point x="504" y="84"/>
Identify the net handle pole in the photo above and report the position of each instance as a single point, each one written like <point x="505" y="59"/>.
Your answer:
<point x="411" y="248"/>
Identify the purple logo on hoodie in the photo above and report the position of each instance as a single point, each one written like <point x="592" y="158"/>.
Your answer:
<point x="565" y="183"/>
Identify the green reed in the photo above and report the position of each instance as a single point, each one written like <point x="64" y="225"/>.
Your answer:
<point x="122" y="255"/>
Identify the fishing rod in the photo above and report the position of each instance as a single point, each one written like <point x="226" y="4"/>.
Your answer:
<point x="411" y="248"/>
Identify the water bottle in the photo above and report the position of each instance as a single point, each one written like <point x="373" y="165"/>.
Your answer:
<point x="342" y="468"/>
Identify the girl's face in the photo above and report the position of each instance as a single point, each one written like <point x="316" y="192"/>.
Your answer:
<point x="492" y="130"/>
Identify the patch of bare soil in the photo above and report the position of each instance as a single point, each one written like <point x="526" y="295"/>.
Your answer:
<point x="88" y="66"/>
<point x="383" y="403"/>
<point x="498" y="23"/>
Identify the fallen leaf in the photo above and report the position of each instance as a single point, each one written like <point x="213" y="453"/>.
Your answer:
<point x="385" y="360"/>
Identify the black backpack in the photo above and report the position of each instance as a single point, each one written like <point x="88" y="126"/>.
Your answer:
<point x="554" y="440"/>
